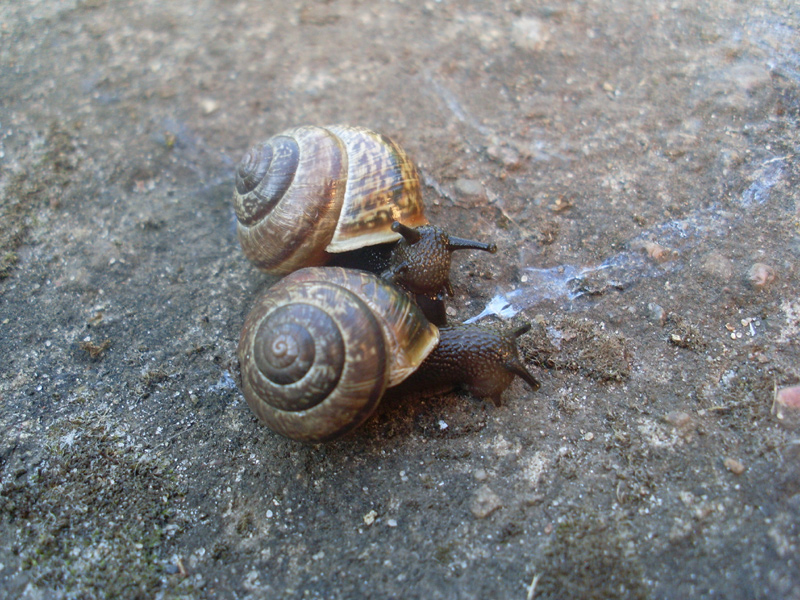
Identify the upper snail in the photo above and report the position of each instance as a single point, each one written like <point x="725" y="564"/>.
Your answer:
<point x="313" y="195"/>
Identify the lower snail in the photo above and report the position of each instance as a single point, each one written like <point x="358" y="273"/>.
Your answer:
<point x="320" y="348"/>
<point x="311" y="195"/>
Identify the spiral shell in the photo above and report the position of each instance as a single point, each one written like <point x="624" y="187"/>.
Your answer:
<point x="319" y="349"/>
<point x="312" y="191"/>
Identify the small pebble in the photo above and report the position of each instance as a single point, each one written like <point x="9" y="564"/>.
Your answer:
<point x="680" y="420"/>
<point x="470" y="188"/>
<point x="508" y="157"/>
<point x="657" y="252"/>
<point x="717" y="266"/>
<point x="485" y="502"/>
<point x="760" y="275"/>
<point x="680" y="531"/>
<point x="787" y="398"/>
<point x="656" y="314"/>
<point x="529" y="33"/>
<point x="532" y="498"/>
<point x="734" y="466"/>
<point x="370" y="517"/>
<point x="480" y="474"/>
<point x="209" y="106"/>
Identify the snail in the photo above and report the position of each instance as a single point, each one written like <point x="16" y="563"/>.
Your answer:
<point x="320" y="348"/>
<point x="314" y="194"/>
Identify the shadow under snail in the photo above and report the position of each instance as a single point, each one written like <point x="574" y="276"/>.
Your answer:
<point x="314" y="195"/>
<point x="320" y="348"/>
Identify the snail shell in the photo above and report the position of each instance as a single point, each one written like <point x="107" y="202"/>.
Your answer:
<point x="319" y="349"/>
<point x="312" y="191"/>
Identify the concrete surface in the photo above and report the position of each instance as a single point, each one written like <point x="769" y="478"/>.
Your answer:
<point x="636" y="164"/>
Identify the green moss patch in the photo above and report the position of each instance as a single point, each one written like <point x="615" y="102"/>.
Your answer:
<point x="94" y="517"/>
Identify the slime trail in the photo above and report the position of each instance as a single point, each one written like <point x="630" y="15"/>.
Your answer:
<point x="624" y="269"/>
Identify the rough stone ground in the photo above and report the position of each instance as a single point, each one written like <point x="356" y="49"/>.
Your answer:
<point x="633" y="161"/>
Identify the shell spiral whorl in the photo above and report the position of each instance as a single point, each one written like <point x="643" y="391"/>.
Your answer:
<point x="295" y="342"/>
<point x="271" y="164"/>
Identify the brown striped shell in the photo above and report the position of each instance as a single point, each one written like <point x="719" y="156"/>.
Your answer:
<point x="320" y="347"/>
<point x="314" y="191"/>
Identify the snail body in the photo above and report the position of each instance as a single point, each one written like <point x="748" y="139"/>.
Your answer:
<point x="480" y="360"/>
<point x="320" y="348"/>
<point x="310" y="194"/>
